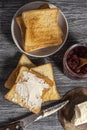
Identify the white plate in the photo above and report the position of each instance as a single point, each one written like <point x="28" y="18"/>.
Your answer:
<point x="16" y="34"/>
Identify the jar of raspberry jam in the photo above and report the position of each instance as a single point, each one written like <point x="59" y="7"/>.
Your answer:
<point x="71" y="62"/>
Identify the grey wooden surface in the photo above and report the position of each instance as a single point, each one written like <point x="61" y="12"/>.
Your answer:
<point x="76" y="14"/>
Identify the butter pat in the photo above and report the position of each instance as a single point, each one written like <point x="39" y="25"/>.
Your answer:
<point x="30" y="88"/>
<point x="80" y="116"/>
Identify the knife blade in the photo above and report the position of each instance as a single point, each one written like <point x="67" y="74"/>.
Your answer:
<point x="24" y="122"/>
<point x="44" y="113"/>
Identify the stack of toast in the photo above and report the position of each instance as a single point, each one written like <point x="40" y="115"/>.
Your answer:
<point x="40" y="28"/>
<point x="43" y="72"/>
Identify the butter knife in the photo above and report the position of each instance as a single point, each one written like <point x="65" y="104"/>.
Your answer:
<point x="24" y="122"/>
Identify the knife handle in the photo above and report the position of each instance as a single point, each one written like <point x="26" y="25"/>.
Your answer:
<point x="12" y="126"/>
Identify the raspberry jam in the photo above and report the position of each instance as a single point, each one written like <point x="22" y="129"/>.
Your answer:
<point x="71" y="62"/>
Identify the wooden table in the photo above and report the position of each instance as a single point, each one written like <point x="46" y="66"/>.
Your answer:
<point x="76" y="14"/>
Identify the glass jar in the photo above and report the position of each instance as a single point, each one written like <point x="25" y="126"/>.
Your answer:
<point x="71" y="62"/>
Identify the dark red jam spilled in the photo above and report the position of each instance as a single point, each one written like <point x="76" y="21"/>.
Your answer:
<point x="73" y="60"/>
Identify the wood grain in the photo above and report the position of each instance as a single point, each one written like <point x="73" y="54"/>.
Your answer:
<point x="76" y="14"/>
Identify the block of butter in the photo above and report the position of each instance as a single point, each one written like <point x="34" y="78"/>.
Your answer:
<point x="80" y="116"/>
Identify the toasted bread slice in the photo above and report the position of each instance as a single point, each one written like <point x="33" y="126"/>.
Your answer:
<point x="46" y="70"/>
<point x="39" y="75"/>
<point x="22" y="27"/>
<point x="42" y="29"/>
<point x="15" y="96"/>
<point x="24" y="61"/>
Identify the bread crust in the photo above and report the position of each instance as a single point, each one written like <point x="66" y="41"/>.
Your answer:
<point x="23" y="61"/>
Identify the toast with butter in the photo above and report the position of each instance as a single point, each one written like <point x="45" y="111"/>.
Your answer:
<point x="42" y="29"/>
<point x="46" y="70"/>
<point x="24" y="61"/>
<point x="29" y="89"/>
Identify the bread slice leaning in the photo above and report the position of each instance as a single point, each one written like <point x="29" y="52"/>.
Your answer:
<point x="24" y="61"/>
<point x="42" y="29"/>
<point x="22" y="27"/>
<point x="46" y="70"/>
<point x="14" y="96"/>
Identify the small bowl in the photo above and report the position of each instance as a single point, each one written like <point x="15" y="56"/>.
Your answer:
<point x="71" y="59"/>
<point x="16" y="35"/>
